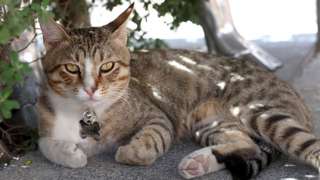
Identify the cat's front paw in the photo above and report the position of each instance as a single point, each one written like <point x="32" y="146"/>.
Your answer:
<point x="64" y="153"/>
<point x="134" y="154"/>
<point x="75" y="157"/>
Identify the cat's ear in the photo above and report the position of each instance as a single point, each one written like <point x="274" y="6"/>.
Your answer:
<point x="118" y="27"/>
<point x="53" y="33"/>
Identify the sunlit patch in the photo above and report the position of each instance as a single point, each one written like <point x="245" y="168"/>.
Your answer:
<point x="243" y="120"/>
<point x="264" y="115"/>
<point x="143" y="50"/>
<point x="236" y="77"/>
<point x="197" y="134"/>
<point x="235" y="111"/>
<point x="221" y="85"/>
<point x="289" y="165"/>
<point x="156" y="93"/>
<point x="214" y="124"/>
<point x="255" y="106"/>
<point x="180" y="66"/>
<point x="289" y="179"/>
<point x="227" y="68"/>
<point x="310" y="176"/>
<point x="205" y="67"/>
<point x="187" y="60"/>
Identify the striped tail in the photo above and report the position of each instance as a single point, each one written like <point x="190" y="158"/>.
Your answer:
<point x="288" y="135"/>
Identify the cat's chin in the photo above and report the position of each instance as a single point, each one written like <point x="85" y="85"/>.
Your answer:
<point x="92" y="102"/>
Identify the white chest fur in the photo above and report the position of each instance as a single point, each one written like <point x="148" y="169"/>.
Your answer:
<point x="67" y="116"/>
<point x="68" y="113"/>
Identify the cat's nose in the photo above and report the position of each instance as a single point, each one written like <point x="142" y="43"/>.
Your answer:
<point x="90" y="91"/>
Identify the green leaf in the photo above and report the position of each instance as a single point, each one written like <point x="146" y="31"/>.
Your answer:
<point x="8" y="74"/>
<point x="4" y="35"/>
<point x="5" y="93"/>
<point x="14" y="57"/>
<point x="45" y="3"/>
<point x="6" y="113"/>
<point x="28" y="162"/>
<point x="11" y="104"/>
<point x="6" y="108"/>
<point x="35" y="7"/>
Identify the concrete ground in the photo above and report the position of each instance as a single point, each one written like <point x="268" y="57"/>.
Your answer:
<point x="34" y="166"/>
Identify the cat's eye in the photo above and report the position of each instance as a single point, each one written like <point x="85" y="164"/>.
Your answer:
<point x="72" y="68"/>
<point x="107" y="67"/>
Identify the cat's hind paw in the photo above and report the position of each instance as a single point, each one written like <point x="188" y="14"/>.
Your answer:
<point x="199" y="163"/>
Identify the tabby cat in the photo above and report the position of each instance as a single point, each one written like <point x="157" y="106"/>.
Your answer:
<point x="241" y="113"/>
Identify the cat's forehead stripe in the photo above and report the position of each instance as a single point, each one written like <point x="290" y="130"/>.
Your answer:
<point x="90" y="36"/>
<point x="94" y="51"/>
<point x="82" y="49"/>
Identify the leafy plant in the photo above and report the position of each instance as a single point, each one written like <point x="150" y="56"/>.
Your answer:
<point x="137" y="38"/>
<point x="14" y="19"/>
<point x="11" y="73"/>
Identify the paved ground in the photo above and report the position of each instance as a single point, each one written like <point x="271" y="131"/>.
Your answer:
<point x="105" y="167"/>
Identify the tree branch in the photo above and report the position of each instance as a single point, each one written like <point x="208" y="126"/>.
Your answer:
<point x="35" y="60"/>
<point x="29" y="43"/>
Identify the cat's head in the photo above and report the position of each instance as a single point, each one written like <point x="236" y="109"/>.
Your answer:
<point x="90" y="64"/>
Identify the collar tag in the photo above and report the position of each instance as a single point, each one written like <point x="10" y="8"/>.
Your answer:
<point x="89" y="116"/>
<point x="89" y="125"/>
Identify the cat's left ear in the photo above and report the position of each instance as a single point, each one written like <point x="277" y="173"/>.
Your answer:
<point x="53" y="33"/>
<point x="118" y="27"/>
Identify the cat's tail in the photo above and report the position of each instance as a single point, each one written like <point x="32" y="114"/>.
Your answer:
<point x="289" y="135"/>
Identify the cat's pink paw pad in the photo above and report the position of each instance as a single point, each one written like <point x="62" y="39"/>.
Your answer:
<point x="199" y="163"/>
<point x="194" y="167"/>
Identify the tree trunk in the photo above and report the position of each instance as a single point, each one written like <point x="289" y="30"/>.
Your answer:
<point x="317" y="49"/>
<point x="73" y="13"/>
<point x="222" y="36"/>
<point x="208" y="25"/>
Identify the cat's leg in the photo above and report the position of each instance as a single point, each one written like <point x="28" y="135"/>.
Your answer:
<point x="153" y="140"/>
<point x="65" y="153"/>
<point x="228" y="146"/>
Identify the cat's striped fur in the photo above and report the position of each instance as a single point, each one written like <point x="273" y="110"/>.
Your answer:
<point x="242" y="114"/>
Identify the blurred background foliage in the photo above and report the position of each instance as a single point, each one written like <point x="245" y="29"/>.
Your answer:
<point x="15" y="17"/>
<point x="180" y="10"/>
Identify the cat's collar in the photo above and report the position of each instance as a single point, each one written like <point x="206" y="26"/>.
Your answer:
<point x="89" y="116"/>
<point x="89" y="125"/>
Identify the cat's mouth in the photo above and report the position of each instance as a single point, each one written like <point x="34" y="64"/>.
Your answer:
<point x="92" y="99"/>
